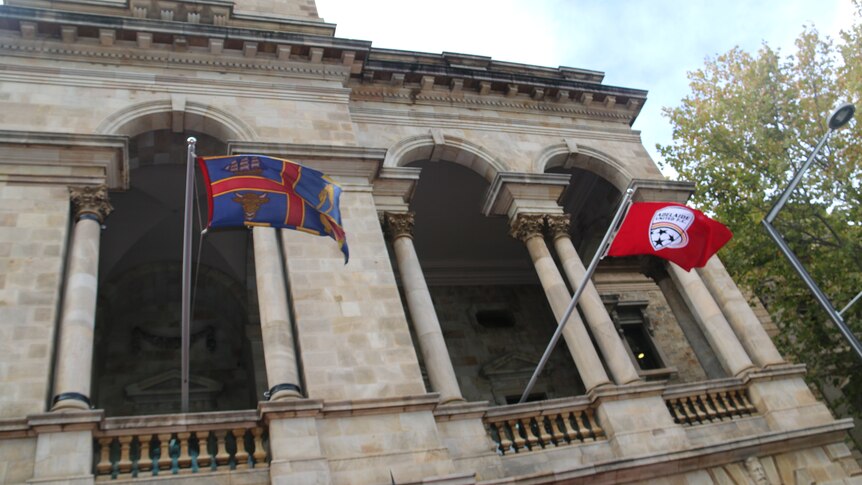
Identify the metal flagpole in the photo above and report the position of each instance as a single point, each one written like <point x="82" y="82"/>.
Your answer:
<point x="187" y="275"/>
<point x="600" y="253"/>
<point x="840" y="117"/>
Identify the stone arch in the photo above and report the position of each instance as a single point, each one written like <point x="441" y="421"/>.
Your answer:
<point x="567" y="155"/>
<point x="437" y="147"/>
<point x="167" y="113"/>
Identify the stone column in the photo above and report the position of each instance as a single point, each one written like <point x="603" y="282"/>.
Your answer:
<point x="431" y="343"/>
<point x="712" y="322"/>
<point x="740" y="315"/>
<point x="528" y="228"/>
<point x="75" y="347"/>
<point x="609" y="341"/>
<point x="279" y="351"/>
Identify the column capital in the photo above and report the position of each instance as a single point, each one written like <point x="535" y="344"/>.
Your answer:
<point x="398" y="224"/>
<point x="90" y="200"/>
<point x="559" y="225"/>
<point x="527" y="226"/>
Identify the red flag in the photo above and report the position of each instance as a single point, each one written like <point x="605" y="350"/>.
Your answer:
<point x="670" y="231"/>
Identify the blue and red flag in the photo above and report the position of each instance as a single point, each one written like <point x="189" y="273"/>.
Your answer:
<point x="256" y="190"/>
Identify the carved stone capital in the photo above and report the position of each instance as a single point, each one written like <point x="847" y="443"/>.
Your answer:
<point x="398" y="224"/>
<point x="527" y="226"/>
<point x="92" y="201"/>
<point x="559" y="225"/>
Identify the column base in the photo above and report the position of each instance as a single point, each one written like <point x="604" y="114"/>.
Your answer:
<point x="71" y="401"/>
<point x="283" y="391"/>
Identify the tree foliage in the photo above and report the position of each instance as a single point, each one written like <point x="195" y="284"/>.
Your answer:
<point x="749" y="122"/>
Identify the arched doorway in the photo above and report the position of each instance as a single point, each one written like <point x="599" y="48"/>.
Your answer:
<point x="657" y="328"/>
<point x="492" y="310"/>
<point x="137" y="356"/>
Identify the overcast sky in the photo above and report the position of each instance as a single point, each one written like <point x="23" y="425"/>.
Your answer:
<point x="644" y="44"/>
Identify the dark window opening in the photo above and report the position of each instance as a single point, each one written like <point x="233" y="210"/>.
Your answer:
<point x="495" y="318"/>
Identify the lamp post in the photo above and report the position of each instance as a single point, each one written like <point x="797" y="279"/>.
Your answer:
<point x="840" y="117"/>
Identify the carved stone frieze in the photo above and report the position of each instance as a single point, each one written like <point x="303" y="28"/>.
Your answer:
<point x="527" y="226"/>
<point x="559" y="225"/>
<point x="398" y="224"/>
<point x="756" y="471"/>
<point x="90" y="200"/>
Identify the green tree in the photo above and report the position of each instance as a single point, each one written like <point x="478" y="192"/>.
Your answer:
<point x="747" y="125"/>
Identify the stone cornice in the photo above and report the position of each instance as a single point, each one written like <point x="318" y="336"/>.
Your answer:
<point x="216" y="13"/>
<point x="67" y="76"/>
<point x="155" y="41"/>
<point x="438" y="97"/>
<point x="460" y="121"/>
<point x="411" y="77"/>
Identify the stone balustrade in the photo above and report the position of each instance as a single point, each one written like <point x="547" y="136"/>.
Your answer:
<point x="200" y="444"/>
<point x="527" y="427"/>
<point x="707" y="405"/>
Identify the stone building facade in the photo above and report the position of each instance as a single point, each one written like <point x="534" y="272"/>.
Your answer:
<point x="474" y="191"/>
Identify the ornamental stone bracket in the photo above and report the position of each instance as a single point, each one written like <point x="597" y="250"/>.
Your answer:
<point x="657" y="190"/>
<point x="513" y="193"/>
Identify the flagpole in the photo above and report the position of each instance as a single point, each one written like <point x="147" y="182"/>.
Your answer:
<point x="600" y="253"/>
<point x="187" y="275"/>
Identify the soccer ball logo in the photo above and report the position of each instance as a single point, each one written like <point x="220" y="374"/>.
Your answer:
<point x="668" y="227"/>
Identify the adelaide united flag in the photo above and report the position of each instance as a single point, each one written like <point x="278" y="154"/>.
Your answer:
<point x="670" y="231"/>
<point x="256" y="190"/>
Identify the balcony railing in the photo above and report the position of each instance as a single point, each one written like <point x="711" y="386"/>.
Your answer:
<point x="179" y="445"/>
<point x="708" y="405"/>
<point x="534" y="426"/>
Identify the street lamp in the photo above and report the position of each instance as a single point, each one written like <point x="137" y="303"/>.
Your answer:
<point x="840" y="117"/>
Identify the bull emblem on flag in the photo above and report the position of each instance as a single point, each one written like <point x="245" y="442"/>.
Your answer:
<point x="669" y="227"/>
<point x="251" y="202"/>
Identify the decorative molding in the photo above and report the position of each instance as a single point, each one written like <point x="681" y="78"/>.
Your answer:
<point x="399" y="225"/>
<point x="511" y="103"/>
<point x="90" y="200"/>
<point x="559" y="225"/>
<point x="171" y="84"/>
<point x="527" y="226"/>
<point x="362" y="114"/>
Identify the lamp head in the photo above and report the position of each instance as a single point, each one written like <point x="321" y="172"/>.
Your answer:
<point x="841" y="116"/>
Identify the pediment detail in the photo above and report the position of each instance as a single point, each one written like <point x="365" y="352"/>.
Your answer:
<point x="513" y="365"/>
<point x="166" y="385"/>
